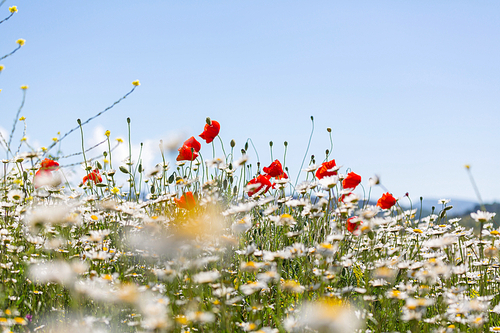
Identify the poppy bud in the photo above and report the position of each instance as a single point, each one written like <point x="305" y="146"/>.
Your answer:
<point x="233" y="143"/>
<point x="246" y="145"/>
<point x="270" y="143"/>
<point x="285" y="143"/>
<point x="312" y="118"/>
<point x="128" y="120"/>
<point x="329" y="130"/>
<point x="243" y="151"/>
<point x="327" y="152"/>
<point x="79" y="121"/>
<point x="209" y="121"/>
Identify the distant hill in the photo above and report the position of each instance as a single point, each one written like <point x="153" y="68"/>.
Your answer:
<point x="492" y="208"/>
<point x="460" y="207"/>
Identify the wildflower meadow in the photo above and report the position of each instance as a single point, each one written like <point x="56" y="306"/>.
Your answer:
<point x="224" y="243"/>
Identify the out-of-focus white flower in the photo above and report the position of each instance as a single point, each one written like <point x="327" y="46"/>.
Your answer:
<point x="56" y="271"/>
<point x="482" y="217"/>
<point x="206" y="277"/>
<point x="329" y="315"/>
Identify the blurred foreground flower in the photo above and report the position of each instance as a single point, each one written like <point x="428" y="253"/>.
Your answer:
<point x="187" y="201"/>
<point x="329" y="315"/>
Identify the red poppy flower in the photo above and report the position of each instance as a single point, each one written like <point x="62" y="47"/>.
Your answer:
<point x="210" y="131"/>
<point x="94" y="176"/>
<point x="187" y="201"/>
<point x="46" y="168"/>
<point x="323" y="170"/>
<point x="48" y="164"/>
<point x="386" y="201"/>
<point x="342" y="197"/>
<point x="351" y="181"/>
<point x="264" y="183"/>
<point x="185" y="153"/>
<point x="275" y="170"/>
<point x="353" y="224"/>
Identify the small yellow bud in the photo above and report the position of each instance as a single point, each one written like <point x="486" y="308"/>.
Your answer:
<point x="24" y="87"/>
<point x="21" y="42"/>
<point x="44" y="149"/>
<point x="136" y="83"/>
<point x="115" y="190"/>
<point x="22" y="118"/>
<point x="13" y="9"/>
<point x="107" y="133"/>
<point x="55" y="139"/>
<point x="24" y="138"/>
<point x="120" y="140"/>
<point x="2" y="67"/>
<point x="467" y="166"/>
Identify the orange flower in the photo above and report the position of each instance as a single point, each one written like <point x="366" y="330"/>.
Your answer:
<point x="386" y="201"/>
<point x="187" y="201"/>
<point x="275" y="170"/>
<point x="189" y="150"/>
<point x="324" y="169"/>
<point x="262" y="181"/>
<point x="94" y="176"/>
<point x="210" y="131"/>
<point x="351" y="181"/>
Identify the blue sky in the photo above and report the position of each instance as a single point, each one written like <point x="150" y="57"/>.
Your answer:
<point x="410" y="89"/>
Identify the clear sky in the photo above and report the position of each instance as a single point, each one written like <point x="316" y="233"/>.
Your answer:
<point x="411" y="89"/>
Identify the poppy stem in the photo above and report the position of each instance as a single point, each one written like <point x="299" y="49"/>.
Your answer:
<point x="307" y="150"/>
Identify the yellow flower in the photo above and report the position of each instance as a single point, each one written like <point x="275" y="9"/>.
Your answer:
<point x="107" y="133"/>
<point x="24" y="87"/>
<point x="21" y="42"/>
<point x="55" y="139"/>
<point x="2" y="67"/>
<point x="24" y="138"/>
<point x="115" y="190"/>
<point x="44" y="149"/>
<point x="136" y="83"/>
<point x="13" y="9"/>
<point x="22" y="118"/>
<point x="467" y="166"/>
<point x="120" y="140"/>
<point x="20" y="321"/>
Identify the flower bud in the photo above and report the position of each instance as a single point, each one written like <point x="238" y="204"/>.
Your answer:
<point x="233" y="143"/>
